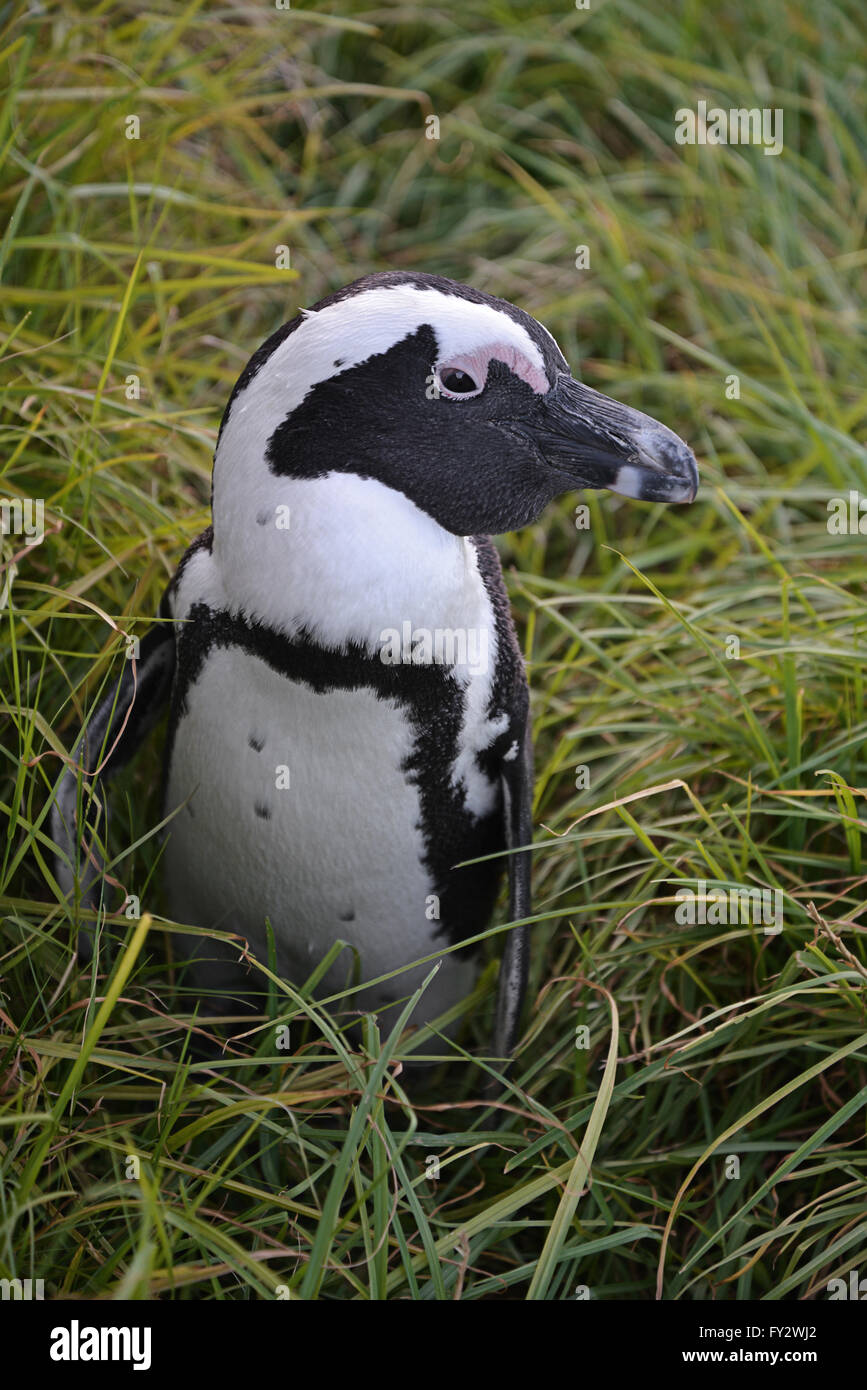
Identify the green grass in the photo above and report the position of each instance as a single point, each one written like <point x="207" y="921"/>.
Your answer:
<point x="612" y="1166"/>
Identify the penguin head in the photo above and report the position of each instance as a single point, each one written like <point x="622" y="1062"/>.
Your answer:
<point x="461" y="402"/>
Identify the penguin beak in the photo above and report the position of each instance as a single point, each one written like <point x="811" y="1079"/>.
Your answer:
<point x="595" y="442"/>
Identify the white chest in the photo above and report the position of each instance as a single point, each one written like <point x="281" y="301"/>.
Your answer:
<point x="295" y="807"/>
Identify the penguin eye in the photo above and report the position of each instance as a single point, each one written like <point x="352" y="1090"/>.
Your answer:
<point x="455" y="383"/>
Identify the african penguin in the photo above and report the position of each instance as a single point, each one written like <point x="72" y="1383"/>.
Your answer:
<point x="348" y="708"/>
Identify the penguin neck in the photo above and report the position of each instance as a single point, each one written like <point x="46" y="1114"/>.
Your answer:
<point x="342" y="559"/>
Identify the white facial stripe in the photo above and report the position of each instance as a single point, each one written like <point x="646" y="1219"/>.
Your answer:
<point x="354" y="330"/>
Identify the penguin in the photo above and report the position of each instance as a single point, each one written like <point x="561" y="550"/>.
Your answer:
<point x="348" y="710"/>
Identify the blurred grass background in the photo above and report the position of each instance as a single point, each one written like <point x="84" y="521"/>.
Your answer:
<point x="720" y="1101"/>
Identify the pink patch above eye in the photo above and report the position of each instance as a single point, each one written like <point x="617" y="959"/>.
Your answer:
<point x="476" y="364"/>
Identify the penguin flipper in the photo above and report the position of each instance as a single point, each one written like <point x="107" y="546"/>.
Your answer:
<point x="517" y="782"/>
<point x="109" y="739"/>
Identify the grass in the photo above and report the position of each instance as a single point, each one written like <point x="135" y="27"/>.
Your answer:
<point x="708" y="1141"/>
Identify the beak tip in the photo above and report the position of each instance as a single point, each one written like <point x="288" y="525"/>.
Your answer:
<point x="676" y="483"/>
<point x="690" y="491"/>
